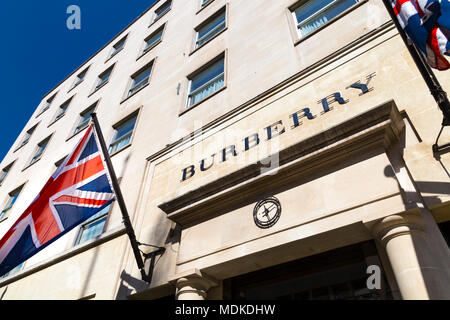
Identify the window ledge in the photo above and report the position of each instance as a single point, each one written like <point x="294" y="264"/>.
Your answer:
<point x="159" y="18"/>
<point x="97" y="89"/>
<point x="75" y="134"/>
<point x="209" y="40"/>
<point x="145" y="53"/>
<point x="201" y="101"/>
<point x="31" y="164"/>
<point x="20" y="147"/>
<point x="115" y="54"/>
<point x="201" y="9"/>
<point x="120" y="150"/>
<point x="75" y="86"/>
<point x="56" y="120"/>
<point x="134" y="93"/>
<point x="339" y="16"/>
<point x="107" y="236"/>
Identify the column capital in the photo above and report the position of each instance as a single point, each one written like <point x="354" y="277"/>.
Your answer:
<point x="193" y="284"/>
<point x="396" y="225"/>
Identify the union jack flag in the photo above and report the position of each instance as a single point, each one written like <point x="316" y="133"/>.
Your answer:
<point x="427" y="24"/>
<point x="78" y="189"/>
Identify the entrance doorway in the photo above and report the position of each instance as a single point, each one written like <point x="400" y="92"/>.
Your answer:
<point x="339" y="274"/>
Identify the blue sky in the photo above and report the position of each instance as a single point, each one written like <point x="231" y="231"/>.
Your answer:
<point x="39" y="51"/>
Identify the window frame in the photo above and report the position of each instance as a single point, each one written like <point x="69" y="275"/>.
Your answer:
<point x="9" y="167"/>
<point x="78" y="123"/>
<point x="223" y="55"/>
<point x="143" y="50"/>
<point x="97" y="84"/>
<point x="293" y="26"/>
<point x="114" y="139"/>
<point x="59" y="115"/>
<point x="24" y="141"/>
<point x="218" y="12"/>
<point x="77" y="82"/>
<point x="30" y="162"/>
<point x="90" y="221"/>
<point x="203" y="6"/>
<point x="5" y="212"/>
<point x="155" y="17"/>
<point x="114" y="51"/>
<point x="127" y="94"/>
<point x="48" y="103"/>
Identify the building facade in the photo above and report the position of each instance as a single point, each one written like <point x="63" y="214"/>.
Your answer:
<point x="273" y="149"/>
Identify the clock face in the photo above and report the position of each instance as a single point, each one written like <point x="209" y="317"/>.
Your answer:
<point x="267" y="212"/>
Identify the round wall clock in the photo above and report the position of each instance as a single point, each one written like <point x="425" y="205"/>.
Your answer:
<point x="267" y="212"/>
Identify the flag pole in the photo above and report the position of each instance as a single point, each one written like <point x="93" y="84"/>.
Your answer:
<point x="439" y="95"/>
<point x="120" y="201"/>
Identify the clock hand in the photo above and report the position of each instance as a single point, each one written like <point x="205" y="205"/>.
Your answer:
<point x="266" y="213"/>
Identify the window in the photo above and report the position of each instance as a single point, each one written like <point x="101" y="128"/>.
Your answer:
<point x="122" y="135"/>
<point x="5" y="172"/>
<point x="206" y="2"/>
<point x="211" y="28"/>
<point x="206" y="82"/>
<point x="62" y="110"/>
<point x="140" y="79"/>
<point x="12" y="197"/>
<point x="39" y="150"/>
<point x="80" y="78"/>
<point x="93" y="227"/>
<point x="47" y="104"/>
<point x="103" y="78"/>
<point x="85" y="117"/>
<point x="118" y="47"/>
<point x="27" y="136"/>
<point x="164" y="8"/>
<point x="153" y="40"/>
<point x="315" y="13"/>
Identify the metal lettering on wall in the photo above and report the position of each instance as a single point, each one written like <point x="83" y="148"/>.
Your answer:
<point x="276" y="129"/>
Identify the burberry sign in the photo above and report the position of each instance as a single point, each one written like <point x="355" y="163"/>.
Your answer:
<point x="275" y="129"/>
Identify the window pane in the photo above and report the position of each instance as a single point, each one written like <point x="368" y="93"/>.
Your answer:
<point x="103" y="78"/>
<point x="315" y="13"/>
<point x="163" y="9"/>
<point x="140" y="80"/>
<point x="12" y="197"/>
<point x="153" y="40"/>
<point x="123" y="135"/>
<point x="13" y="271"/>
<point x="206" y="82"/>
<point x="211" y="29"/>
<point x="94" y="226"/>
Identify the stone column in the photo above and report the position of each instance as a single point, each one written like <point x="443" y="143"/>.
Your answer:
<point x="193" y="285"/>
<point x="418" y="271"/>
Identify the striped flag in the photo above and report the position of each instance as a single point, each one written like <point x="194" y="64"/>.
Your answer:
<point x="78" y="189"/>
<point x="427" y="24"/>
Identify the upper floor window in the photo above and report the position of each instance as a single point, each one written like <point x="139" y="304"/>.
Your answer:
<point x="118" y="46"/>
<point x="140" y="79"/>
<point x="103" y="78"/>
<point x="163" y="9"/>
<point x="47" y="104"/>
<point x="84" y="119"/>
<point x="62" y="110"/>
<point x="314" y="13"/>
<point x="12" y="197"/>
<point x="80" y="78"/>
<point x="210" y="28"/>
<point x="5" y="172"/>
<point x="122" y="135"/>
<point x="153" y="40"/>
<point x="39" y="150"/>
<point x="206" y="81"/>
<point x="206" y="2"/>
<point x="93" y="227"/>
<point x="27" y="137"/>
